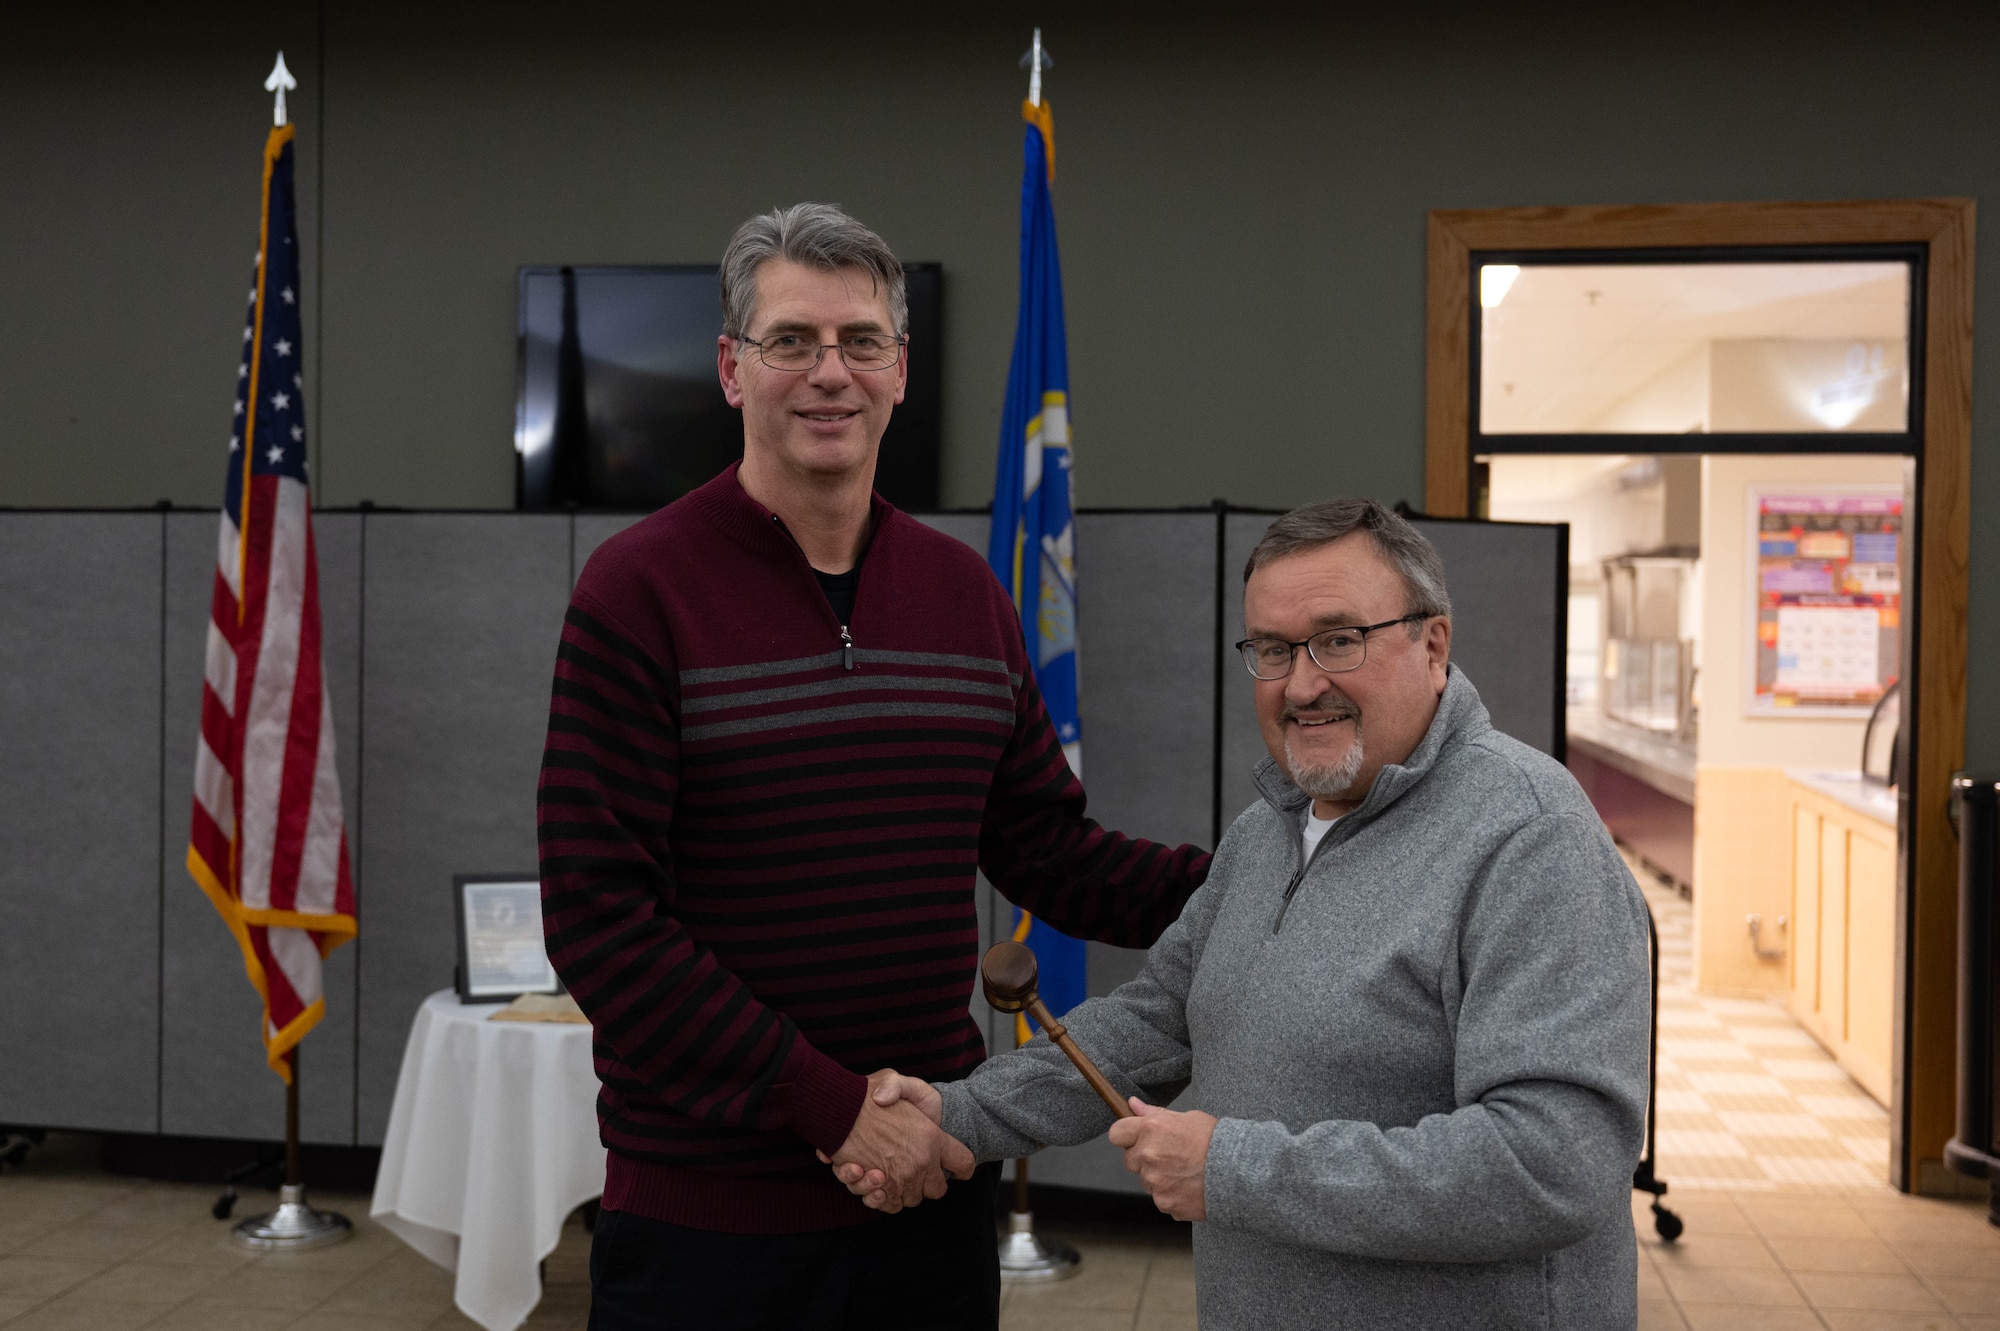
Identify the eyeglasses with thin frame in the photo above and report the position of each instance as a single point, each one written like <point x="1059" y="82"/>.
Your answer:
<point x="794" y="353"/>
<point x="1334" y="650"/>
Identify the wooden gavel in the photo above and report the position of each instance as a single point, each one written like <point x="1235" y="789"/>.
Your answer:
<point x="1009" y="975"/>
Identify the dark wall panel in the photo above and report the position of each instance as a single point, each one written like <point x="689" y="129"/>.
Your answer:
<point x="80" y="879"/>
<point x="1510" y="614"/>
<point x="461" y="618"/>
<point x="214" y="1080"/>
<point x="1146" y="626"/>
<point x="1242" y="743"/>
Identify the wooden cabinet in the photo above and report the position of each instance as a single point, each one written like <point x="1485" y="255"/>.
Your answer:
<point x="1843" y="933"/>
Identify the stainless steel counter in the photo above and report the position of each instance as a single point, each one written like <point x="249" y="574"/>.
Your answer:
<point x="1660" y="761"/>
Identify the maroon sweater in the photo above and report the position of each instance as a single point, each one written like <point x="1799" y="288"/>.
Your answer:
<point x="758" y="844"/>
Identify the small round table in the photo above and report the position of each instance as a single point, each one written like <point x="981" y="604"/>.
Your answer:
<point x="492" y="1142"/>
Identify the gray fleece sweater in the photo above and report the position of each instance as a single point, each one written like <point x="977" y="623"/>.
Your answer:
<point x="1426" y="1047"/>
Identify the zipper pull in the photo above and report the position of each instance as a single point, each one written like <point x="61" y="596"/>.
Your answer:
<point x="846" y="649"/>
<point x="1298" y="876"/>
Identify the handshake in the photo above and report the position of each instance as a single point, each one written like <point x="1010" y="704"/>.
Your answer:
<point x="899" y="1154"/>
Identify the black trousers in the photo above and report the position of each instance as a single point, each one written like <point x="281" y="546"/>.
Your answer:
<point x="932" y="1266"/>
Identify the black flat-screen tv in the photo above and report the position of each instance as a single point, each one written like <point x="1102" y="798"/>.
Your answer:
<point x="619" y="406"/>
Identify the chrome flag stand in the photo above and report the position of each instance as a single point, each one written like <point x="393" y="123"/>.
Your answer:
<point x="294" y="1225"/>
<point x="1024" y="1255"/>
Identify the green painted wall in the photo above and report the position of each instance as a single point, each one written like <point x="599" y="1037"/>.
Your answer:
<point x="1241" y="204"/>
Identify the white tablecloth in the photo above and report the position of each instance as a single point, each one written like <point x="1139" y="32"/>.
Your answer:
<point x="492" y="1143"/>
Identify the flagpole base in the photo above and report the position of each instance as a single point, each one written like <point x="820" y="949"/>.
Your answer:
<point x="1025" y="1257"/>
<point x="293" y="1227"/>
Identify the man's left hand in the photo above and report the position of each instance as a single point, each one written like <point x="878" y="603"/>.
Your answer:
<point x="1168" y="1150"/>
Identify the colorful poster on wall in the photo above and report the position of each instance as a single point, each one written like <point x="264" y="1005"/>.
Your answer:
<point x="1828" y="596"/>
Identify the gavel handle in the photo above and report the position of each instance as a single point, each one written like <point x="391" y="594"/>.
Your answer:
<point x="1059" y="1034"/>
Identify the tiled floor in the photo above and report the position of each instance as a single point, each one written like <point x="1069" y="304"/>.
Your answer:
<point x="1774" y="1159"/>
<point x="1747" y="1100"/>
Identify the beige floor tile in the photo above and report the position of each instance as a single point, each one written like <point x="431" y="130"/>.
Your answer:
<point x="72" y="1313"/>
<point x="259" y="1285"/>
<point x="11" y="1307"/>
<point x="205" y="1246"/>
<point x="454" y="1320"/>
<point x="393" y="1291"/>
<point x="16" y="1234"/>
<point x="1848" y="1319"/>
<point x="57" y="1202"/>
<point x="1977" y="1261"/>
<point x="1927" y="1220"/>
<point x="1717" y="1284"/>
<point x="1964" y="1295"/>
<point x="1165" y="1321"/>
<point x="333" y="1321"/>
<point x="1875" y="1293"/>
<point x="1064" y="1319"/>
<point x="159" y="1204"/>
<point x="1168" y="1289"/>
<point x="43" y="1277"/>
<point x="1743" y="1251"/>
<point x="1738" y="1173"/>
<point x="1713" y="1214"/>
<point x="1799" y="1218"/>
<point x="541" y="1321"/>
<point x="1109" y="1280"/>
<point x="1979" y="1323"/>
<point x="150" y="1282"/>
<point x="1748" y="1317"/>
<point x="1659" y="1315"/>
<point x="1848" y="1256"/>
<point x="90" y="1239"/>
<point x="1821" y="1174"/>
<point x="1650" y="1284"/>
<point x="190" y="1318"/>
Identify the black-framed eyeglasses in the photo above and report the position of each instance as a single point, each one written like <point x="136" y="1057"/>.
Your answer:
<point x="1332" y="650"/>
<point x="858" y="351"/>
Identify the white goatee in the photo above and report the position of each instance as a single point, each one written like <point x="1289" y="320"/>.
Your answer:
<point x="1325" y="781"/>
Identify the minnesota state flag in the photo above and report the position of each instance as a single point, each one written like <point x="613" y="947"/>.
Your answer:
<point x="1033" y="542"/>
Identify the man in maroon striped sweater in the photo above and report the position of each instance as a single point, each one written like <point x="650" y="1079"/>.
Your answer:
<point x="788" y="723"/>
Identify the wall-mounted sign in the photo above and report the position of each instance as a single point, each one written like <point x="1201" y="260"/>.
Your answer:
<point x="1826" y="596"/>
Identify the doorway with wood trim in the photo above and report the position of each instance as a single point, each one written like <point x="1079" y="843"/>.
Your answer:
<point x="1839" y="408"/>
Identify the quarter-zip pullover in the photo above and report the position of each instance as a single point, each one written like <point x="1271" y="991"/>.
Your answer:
<point x="759" y="827"/>
<point x="1430" y="1076"/>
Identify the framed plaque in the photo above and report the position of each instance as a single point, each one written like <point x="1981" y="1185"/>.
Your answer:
<point x="500" y="950"/>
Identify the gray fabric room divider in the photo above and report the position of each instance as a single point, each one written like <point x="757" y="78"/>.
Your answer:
<point x="440" y="632"/>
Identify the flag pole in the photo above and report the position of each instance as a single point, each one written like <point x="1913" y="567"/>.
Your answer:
<point x="1025" y="1256"/>
<point x="295" y="1225"/>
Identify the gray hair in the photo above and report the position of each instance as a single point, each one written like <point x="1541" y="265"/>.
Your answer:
<point x="1413" y="557"/>
<point x="816" y="235"/>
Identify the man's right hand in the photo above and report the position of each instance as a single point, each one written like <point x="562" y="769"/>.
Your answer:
<point x="896" y="1155"/>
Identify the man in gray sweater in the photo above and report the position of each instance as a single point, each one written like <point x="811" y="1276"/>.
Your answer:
<point x="1408" y="1012"/>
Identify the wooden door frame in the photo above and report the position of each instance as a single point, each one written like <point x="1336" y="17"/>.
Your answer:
<point x="1922" y="1117"/>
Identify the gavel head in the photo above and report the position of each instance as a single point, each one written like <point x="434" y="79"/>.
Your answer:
<point x="1009" y="975"/>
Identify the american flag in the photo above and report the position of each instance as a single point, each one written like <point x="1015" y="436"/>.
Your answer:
<point x="269" y="845"/>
